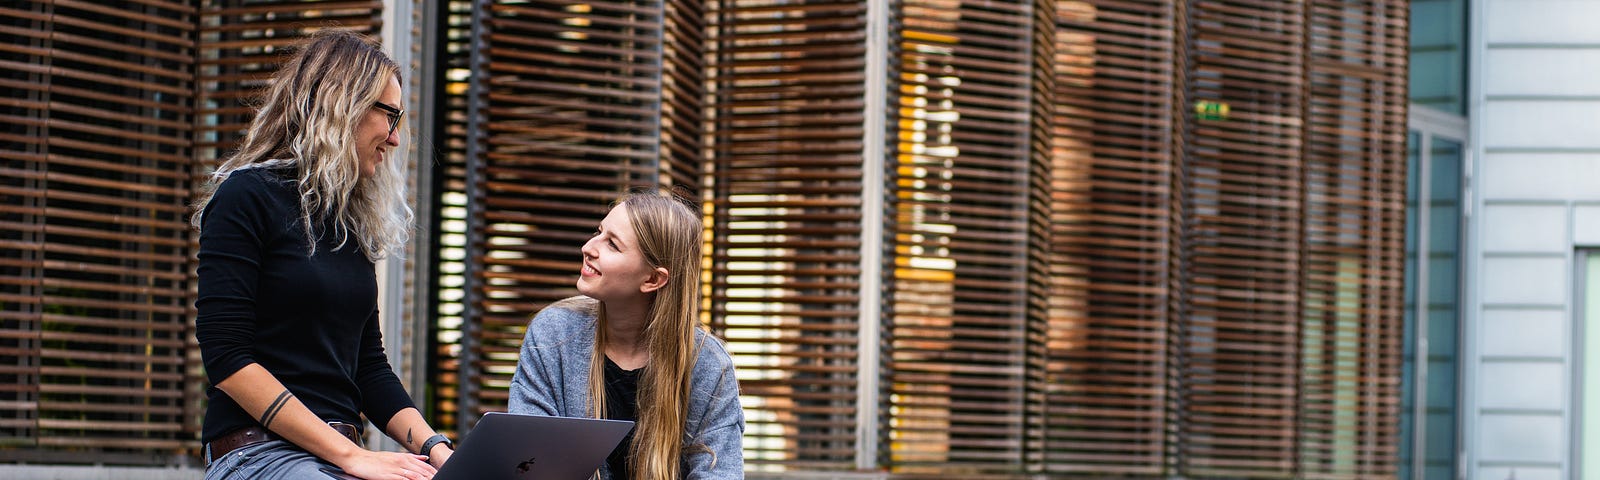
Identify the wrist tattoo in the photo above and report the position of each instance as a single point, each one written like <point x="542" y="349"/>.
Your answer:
<point x="274" y="408"/>
<point x="409" y="442"/>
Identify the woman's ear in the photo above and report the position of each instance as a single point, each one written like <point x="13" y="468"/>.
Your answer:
<point x="658" y="278"/>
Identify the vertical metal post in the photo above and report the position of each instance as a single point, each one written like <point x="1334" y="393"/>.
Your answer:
<point x="427" y="83"/>
<point x="658" y="83"/>
<point x="1580" y="356"/>
<point x="872" y="203"/>
<point x="468" y="388"/>
<point x="1419" y="399"/>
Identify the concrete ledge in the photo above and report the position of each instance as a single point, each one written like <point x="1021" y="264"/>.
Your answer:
<point x="55" y="472"/>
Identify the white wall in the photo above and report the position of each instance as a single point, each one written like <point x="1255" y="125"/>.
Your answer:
<point x="1535" y="112"/>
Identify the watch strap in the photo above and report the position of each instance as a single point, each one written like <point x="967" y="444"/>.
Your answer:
<point x="433" y="441"/>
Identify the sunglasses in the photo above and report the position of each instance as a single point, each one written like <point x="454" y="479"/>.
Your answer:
<point x="391" y="112"/>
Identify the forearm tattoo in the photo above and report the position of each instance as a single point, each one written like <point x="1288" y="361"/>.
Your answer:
<point x="409" y="442"/>
<point x="272" y="410"/>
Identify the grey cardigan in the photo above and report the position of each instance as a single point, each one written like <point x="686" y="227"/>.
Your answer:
<point x="552" y="378"/>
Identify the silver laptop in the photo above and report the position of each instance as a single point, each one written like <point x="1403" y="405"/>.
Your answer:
<point x="531" y="447"/>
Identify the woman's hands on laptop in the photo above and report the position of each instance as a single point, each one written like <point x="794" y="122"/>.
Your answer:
<point x="388" y="465"/>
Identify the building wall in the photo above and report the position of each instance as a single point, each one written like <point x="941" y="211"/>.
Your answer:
<point x="1536" y="191"/>
<point x="1221" y="297"/>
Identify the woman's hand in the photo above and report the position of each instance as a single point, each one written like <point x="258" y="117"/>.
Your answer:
<point x="440" y="453"/>
<point x="413" y="433"/>
<point x="372" y="465"/>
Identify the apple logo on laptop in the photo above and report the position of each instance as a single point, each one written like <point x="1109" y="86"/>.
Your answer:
<point x="525" y="465"/>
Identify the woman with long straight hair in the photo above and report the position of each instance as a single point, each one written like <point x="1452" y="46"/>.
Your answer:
<point x="288" y="321"/>
<point x="632" y="348"/>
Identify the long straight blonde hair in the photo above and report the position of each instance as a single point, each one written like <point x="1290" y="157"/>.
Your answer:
<point x="669" y="232"/>
<point x="308" y="117"/>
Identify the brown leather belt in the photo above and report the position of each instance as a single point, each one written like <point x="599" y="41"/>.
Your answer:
<point x="252" y="435"/>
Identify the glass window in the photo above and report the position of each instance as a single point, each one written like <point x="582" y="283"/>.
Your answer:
<point x="1439" y="54"/>
<point x="1588" y="460"/>
<point x="1428" y="420"/>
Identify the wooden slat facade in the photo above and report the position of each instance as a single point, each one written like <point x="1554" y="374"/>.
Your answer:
<point x="1112" y="233"/>
<point x="1243" y="234"/>
<point x="1353" y="275"/>
<point x="788" y="95"/>
<point x="1082" y="274"/>
<point x="96" y="116"/>
<point x="1277" y="218"/>
<point x="958" y="329"/>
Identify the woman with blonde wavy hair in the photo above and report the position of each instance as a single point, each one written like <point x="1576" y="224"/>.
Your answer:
<point x="288" y="319"/>
<point x="632" y="348"/>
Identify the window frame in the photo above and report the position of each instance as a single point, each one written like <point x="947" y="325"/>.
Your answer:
<point x="1430" y="123"/>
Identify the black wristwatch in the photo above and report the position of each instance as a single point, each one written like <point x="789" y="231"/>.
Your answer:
<point x="435" y="440"/>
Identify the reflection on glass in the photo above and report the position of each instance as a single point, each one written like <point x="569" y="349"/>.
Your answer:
<point x="1438" y="54"/>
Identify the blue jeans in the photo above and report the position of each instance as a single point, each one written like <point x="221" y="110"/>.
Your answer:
<point x="269" y="460"/>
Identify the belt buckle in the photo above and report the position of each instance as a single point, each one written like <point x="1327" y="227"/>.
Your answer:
<point x="349" y="431"/>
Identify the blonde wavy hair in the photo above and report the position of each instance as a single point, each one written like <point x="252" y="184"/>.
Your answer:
<point x="307" y="117"/>
<point x="669" y="232"/>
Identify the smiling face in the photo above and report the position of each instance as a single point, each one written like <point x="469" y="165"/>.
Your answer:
<point x="373" y="138"/>
<point x="614" y="268"/>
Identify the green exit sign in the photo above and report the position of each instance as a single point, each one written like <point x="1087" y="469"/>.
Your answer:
<point x="1209" y="110"/>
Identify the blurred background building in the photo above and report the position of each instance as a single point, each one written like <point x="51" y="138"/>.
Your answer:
<point x="948" y="238"/>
